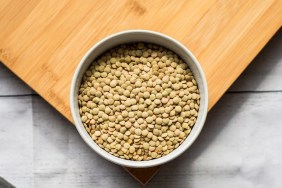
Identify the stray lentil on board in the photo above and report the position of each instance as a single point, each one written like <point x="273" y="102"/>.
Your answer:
<point x="139" y="101"/>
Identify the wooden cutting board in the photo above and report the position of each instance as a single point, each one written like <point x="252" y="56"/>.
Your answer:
<point x="42" y="41"/>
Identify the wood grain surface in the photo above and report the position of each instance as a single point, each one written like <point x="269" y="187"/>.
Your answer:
<point x="43" y="41"/>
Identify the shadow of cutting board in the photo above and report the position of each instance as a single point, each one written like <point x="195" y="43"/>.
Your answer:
<point x="42" y="41"/>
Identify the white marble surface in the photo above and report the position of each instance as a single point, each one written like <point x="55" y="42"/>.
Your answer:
<point x="16" y="137"/>
<point x="240" y="145"/>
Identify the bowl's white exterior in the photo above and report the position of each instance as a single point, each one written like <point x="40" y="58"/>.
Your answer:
<point x="150" y="37"/>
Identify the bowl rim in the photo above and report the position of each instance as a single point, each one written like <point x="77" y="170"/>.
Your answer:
<point x="125" y="162"/>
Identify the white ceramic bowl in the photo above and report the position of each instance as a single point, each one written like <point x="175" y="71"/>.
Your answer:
<point x="150" y="37"/>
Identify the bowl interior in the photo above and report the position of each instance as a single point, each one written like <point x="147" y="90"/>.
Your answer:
<point x="150" y="37"/>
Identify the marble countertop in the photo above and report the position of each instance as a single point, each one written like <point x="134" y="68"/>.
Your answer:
<point x="240" y="146"/>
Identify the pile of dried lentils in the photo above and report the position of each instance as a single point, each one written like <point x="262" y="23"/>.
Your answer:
<point x="139" y="101"/>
